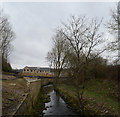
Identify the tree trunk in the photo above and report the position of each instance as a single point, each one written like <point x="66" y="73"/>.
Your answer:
<point x="78" y="96"/>
<point x="81" y="99"/>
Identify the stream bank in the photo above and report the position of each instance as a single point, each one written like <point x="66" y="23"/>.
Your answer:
<point x="37" y="97"/>
<point x="50" y="103"/>
<point x="100" y="97"/>
<point x="72" y="102"/>
<point x="20" y="94"/>
<point x="57" y="106"/>
<point x="33" y="97"/>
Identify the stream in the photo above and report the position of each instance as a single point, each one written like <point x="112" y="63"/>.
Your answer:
<point x="56" y="106"/>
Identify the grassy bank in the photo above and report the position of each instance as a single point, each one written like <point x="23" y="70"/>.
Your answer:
<point x="39" y="105"/>
<point x="100" y="96"/>
<point x="42" y="98"/>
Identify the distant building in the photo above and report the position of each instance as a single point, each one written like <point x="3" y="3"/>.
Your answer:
<point x="16" y="71"/>
<point x="36" y="71"/>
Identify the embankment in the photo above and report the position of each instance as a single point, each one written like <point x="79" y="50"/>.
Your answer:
<point x="19" y="95"/>
<point x="28" y="102"/>
<point x="100" y="96"/>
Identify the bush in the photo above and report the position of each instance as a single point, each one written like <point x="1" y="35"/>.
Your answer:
<point x="6" y="67"/>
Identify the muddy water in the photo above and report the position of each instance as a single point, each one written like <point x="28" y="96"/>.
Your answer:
<point x="57" y="106"/>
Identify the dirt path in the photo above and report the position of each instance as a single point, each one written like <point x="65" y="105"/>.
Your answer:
<point x="13" y="92"/>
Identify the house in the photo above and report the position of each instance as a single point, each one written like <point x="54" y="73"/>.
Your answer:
<point x="36" y="71"/>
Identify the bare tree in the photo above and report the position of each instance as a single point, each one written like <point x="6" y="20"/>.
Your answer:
<point x="84" y="39"/>
<point x="113" y="27"/>
<point x="57" y="56"/>
<point x="6" y="36"/>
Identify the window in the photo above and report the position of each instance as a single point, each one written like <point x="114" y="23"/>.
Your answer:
<point x="27" y="69"/>
<point x="31" y="70"/>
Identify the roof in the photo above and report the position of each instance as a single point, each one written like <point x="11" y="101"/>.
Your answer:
<point x="40" y="68"/>
<point x="17" y="70"/>
<point x="44" y="69"/>
<point x="32" y="68"/>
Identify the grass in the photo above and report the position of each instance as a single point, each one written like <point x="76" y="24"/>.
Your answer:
<point x="39" y="105"/>
<point x="98" y="95"/>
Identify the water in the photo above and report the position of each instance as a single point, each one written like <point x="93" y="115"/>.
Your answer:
<point x="57" y="106"/>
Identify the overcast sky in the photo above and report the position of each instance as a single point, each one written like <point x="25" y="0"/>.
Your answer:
<point x="34" y="25"/>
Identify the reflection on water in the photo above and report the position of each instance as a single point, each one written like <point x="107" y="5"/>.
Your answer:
<point x="57" y="106"/>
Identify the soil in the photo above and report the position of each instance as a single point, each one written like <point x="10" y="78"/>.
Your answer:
<point x="13" y="91"/>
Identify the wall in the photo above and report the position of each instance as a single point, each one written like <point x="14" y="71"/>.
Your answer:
<point x="36" y="74"/>
<point x="34" y="89"/>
